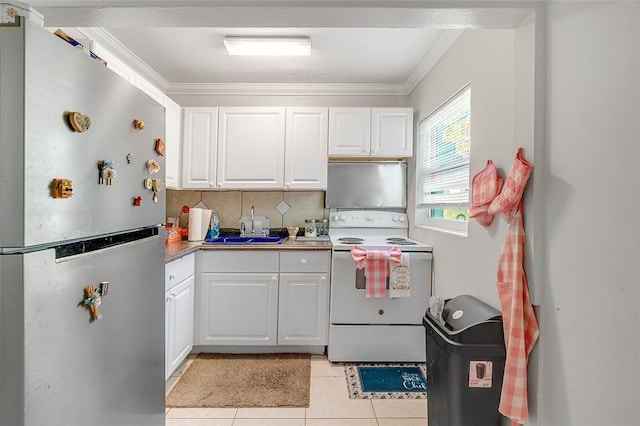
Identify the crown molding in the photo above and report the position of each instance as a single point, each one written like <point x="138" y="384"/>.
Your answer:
<point x="444" y="42"/>
<point x="104" y="37"/>
<point x="287" y="89"/>
<point x="113" y="45"/>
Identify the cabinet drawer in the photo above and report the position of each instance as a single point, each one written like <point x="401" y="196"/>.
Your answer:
<point x="304" y="261"/>
<point x="178" y="270"/>
<point x="238" y="261"/>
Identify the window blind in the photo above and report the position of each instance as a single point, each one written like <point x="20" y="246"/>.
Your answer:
<point x="443" y="154"/>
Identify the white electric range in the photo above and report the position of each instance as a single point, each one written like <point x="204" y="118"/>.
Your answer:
<point x="376" y="329"/>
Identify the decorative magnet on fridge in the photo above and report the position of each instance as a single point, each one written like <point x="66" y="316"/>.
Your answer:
<point x="61" y="188"/>
<point x="139" y="124"/>
<point x="153" y="166"/>
<point x="160" y="147"/>
<point x="79" y="122"/>
<point x="137" y="201"/>
<point x="107" y="172"/>
<point x="129" y="157"/>
<point x="92" y="301"/>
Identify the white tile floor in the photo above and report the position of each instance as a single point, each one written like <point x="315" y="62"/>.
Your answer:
<point x="329" y="405"/>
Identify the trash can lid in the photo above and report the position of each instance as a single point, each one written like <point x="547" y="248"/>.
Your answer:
<point x="466" y="311"/>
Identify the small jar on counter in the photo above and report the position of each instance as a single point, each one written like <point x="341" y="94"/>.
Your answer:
<point x="323" y="227"/>
<point x="311" y="228"/>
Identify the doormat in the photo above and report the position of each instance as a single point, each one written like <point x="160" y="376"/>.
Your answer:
<point x="246" y="380"/>
<point x="386" y="381"/>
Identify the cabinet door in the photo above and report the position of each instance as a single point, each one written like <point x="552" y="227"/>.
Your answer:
<point x="303" y="309"/>
<point x="251" y="148"/>
<point x="392" y="132"/>
<point x="180" y="313"/>
<point x="306" y="148"/>
<point x="173" y="118"/>
<point x="199" y="147"/>
<point x="349" y="132"/>
<point x="238" y="309"/>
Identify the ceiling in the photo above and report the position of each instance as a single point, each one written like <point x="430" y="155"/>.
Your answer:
<point x="366" y="46"/>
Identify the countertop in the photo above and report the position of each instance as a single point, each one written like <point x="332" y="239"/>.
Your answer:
<point x="176" y="250"/>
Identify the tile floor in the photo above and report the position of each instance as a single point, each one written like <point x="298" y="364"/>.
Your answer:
<point x="329" y="405"/>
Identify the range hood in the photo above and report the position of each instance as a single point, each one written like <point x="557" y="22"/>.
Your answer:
<point x="367" y="184"/>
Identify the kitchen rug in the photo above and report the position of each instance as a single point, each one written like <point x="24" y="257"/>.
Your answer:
<point x="246" y="380"/>
<point x="386" y="381"/>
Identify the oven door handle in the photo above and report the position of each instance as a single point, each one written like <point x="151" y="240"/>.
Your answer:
<point x="413" y="255"/>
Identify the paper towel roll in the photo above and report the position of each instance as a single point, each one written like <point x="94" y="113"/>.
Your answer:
<point x="198" y="223"/>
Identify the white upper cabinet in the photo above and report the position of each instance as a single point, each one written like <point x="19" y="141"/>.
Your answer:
<point x="371" y="132"/>
<point x="349" y="132"/>
<point x="306" y="148"/>
<point x="173" y="131"/>
<point x="199" y="149"/>
<point x="392" y="132"/>
<point x="251" y="148"/>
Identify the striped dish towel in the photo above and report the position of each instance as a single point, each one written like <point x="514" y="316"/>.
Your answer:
<point x="376" y="264"/>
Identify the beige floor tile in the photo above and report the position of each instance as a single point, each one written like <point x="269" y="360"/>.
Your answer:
<point x="199" y="422"/>
<point x="268" y="422"/>
<point x="270" y="413"/>
<point x="201" y="413"/>
<point x="402" y="422"/>
<point x="341" y="422"/>
<point x="400" y="407"/>
<point x="330" y="399"/>
<point x="322" y="367"/>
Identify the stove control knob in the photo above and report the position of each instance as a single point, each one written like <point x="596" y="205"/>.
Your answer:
<point x="403" y="219"/>
<point x="335" y="218"/>
<point x="369" y="218"/>
<point x="394" y="218"/>
<point x="343" y="218"/>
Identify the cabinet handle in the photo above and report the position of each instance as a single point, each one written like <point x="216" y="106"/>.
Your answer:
<point x="212" y="184"/>
<point x="303" y="261"/>
<point x="172" y="277"/>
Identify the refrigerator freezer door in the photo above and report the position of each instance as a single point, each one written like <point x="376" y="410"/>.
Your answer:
<point x="76" y="371"/>
<point x="43" y="79"/>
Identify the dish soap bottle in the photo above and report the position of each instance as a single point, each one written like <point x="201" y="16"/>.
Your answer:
<point x="214" y="226"/>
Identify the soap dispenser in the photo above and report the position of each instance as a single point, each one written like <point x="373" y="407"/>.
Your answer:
<point x="214" y="226"/>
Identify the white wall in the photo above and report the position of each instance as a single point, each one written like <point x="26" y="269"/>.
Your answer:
<point x="590" y="327"/>
<point x="484" y="58"/>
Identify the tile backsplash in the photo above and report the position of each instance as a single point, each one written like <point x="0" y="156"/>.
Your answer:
<point x="282" y="208"/>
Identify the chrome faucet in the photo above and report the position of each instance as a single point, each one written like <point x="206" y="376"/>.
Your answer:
<point x="253" y="229"/>
<point x="242" y="227"/>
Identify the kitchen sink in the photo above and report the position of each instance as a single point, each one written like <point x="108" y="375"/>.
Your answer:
<point x="247" y="239"/>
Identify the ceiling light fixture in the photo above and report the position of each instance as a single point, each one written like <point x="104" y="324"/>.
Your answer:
<point x="268" y="46"/>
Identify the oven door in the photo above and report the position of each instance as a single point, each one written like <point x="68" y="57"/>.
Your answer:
<point x="349" y="305"/>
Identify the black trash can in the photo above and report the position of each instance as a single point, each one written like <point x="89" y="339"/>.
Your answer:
<point x="465" y="364"/>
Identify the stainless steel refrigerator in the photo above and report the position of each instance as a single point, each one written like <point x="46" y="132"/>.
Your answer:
<point x="67" y="222"/>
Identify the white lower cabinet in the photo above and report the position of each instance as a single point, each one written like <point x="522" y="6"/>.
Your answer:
<point x="303" y="309"/>
<point x="238" y="309"/>
<point x="179" y="311"/>
<point x="263" y="298"/>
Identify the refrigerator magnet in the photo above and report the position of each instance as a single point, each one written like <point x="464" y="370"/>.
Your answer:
<point x="139" y="124"/>
<point x="137" y="201"/>
<point x="148" y="184"/>
<point x="160" y="147"/>
<point x="129" y="157"/>
<point x="79" y="122"/>
<point x="153" y="166"/>
<point x="107" y="172"/>
<point x="92" y="301"/>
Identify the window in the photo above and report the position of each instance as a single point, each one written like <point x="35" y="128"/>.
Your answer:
<point x="442" y="168"/>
